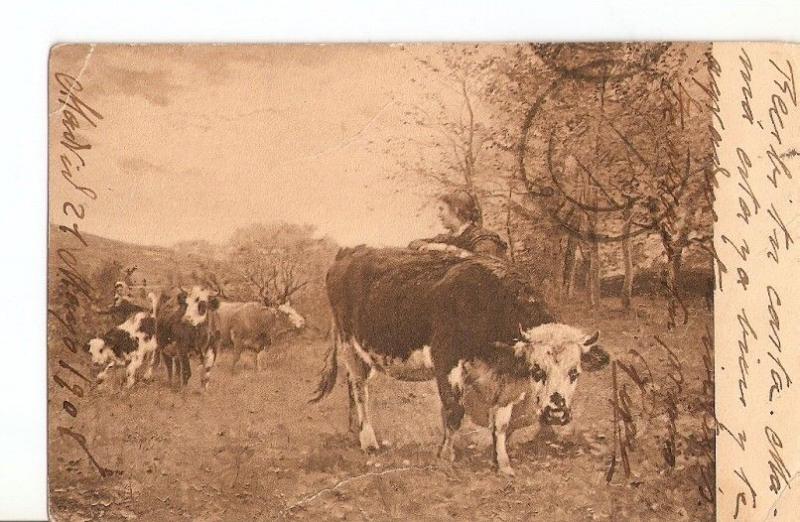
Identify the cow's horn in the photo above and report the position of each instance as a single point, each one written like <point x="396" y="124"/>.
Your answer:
<point x="592" y="339"/>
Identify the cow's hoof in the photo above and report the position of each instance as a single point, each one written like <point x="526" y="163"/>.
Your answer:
<point x="508" y="471"/>
<point x="367" y="439"/>
<point x="447" y="453"/>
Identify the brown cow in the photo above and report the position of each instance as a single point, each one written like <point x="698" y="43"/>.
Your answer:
<point x="186" y="324"/>
<point x="476" y="325"/>
<point x="255" y="326"/>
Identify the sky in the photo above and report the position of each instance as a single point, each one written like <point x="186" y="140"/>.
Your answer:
<point x="196" y="141"/>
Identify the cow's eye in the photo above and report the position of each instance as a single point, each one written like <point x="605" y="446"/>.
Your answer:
<point x="573" y="375"/>
<point x="537" y="374"/>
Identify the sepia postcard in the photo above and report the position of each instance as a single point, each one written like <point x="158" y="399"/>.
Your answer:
<point x="519" y="281"/>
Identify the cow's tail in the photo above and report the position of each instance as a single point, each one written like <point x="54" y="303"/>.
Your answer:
<point x="327" y="377"/>
<point x="154" y="300"/>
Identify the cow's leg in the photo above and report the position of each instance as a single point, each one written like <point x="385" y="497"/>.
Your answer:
<point x="499" y="419"/>
<point x="354" y="424"/>
<point x="452" y="409"/>
<point x="102" y="375"/>
<point x="150" y="358"/>
<point x="133" y="367"/>
<point x="357" y="373"/>
<point x="237" y="350"/>
<point x="186" y="369"/>
<point x="168" y="364"/>
<point x="208" y="363"/>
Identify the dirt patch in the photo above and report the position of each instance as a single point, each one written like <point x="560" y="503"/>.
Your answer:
<point x="251" y="447"/>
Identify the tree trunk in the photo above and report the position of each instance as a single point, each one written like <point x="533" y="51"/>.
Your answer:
<point x="594" y="264"/>
<point x="570" y="266"/>
<point x="509" y="231"/>
<point x="674" y="272"/>
<point x="674" y="254"/>
<point x="594" y="275"/>
<point x="627" y="257"/>
<point x="469" y="154"/>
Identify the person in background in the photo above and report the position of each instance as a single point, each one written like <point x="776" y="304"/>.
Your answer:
<point x="458" y="212"/>
<point x="123" y="305"/>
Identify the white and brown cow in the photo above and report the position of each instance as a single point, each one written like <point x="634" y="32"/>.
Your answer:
<point x="476" y="325"/>
<point x="131" y="343"/>
<point x="186" y="324"/>
<point x="255" y="326"/>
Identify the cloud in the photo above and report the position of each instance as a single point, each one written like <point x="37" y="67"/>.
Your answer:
<point x="131" y="165"/>
<point x="154" y="86"/>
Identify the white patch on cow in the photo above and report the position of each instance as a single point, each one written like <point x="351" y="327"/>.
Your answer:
<point x="502" y="417"/>
<point x="456" y="376"/>
<point x="418" y="366"/>
<point x="131" y="324"/>
<point x="148" y="374"/>
<point x="102" y="375"/>
<point x="366" y="436"/>
<point x="194" y="299"/>
<point x="133" y="366"/>
<point x="426" y="356"/>
<point x="99" y="352"/>
<point x="147" y="343"/>
<point x="295" y="318"/>
<point x="208" y="363"/>
<point x="421" y="358"/>
<point x="144" y="352"/>
<point x="362" y="354"/>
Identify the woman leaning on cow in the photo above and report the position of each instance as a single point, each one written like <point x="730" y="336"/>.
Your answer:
<point x="458" y="212"/>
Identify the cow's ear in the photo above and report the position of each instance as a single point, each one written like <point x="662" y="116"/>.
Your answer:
<point x="213" y="303"/>
<point x="182" y="295"/>
<point x="595" y="358"/>
<point x="591" y="340"/>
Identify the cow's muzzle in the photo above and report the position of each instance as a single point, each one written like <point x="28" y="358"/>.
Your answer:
<point x="556" y="417"/>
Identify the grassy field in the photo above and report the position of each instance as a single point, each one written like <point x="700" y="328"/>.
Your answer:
<point x="252" y="448"/>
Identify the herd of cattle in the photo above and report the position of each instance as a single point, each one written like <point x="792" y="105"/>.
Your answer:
<point x="182" y="322"/>
<point x="475" y="324"/>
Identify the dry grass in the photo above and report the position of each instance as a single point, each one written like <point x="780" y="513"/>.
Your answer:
<point x="251" y="447"/>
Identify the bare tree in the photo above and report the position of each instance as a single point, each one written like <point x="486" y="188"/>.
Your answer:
<point x="445" y="127"/>
<point x="269" y="259"/>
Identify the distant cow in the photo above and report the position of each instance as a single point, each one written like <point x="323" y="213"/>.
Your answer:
<point x="225" y="312"/>
<point x="131" y="343"/>
<point x="475" y="324"/>
<point x="186" y="324"/>
<point x="254" y="326"/>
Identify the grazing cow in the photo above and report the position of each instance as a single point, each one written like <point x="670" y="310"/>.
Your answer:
<point x="131" y="343"/>
<point x="225" y="311"/>
<point x="476" y="325"/>
<point x="255" y="326"/>
<point x="186" y="324"/>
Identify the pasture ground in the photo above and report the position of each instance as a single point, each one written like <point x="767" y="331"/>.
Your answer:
<point x="252" y="448"/>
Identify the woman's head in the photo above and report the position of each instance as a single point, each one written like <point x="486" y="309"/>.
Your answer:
<point x="457" y="208"/>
